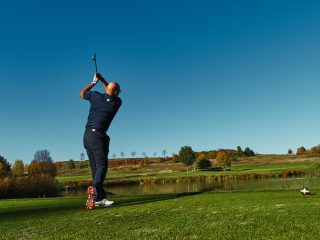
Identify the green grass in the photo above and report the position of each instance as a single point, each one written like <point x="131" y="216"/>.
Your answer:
<point x="268" y="215"/>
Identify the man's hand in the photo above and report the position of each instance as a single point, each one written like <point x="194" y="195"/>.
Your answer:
<point x="95" y="79"/>
<point x="99" y="77"/>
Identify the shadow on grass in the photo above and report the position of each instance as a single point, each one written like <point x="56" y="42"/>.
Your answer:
<point x="151" y="198"/>
<point x="61" y="206"/>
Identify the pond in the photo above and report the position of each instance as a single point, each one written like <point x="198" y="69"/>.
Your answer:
<point x="185" y="187"/>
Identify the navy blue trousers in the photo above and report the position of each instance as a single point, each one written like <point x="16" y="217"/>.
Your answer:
<point x="97" y="146"/>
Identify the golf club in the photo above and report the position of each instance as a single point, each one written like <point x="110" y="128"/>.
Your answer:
<point x="94" y="58"/>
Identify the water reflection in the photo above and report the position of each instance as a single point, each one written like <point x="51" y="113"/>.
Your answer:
<point x="187" y="187"/>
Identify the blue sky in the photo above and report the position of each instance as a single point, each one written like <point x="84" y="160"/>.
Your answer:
<point x="208" y="74"/>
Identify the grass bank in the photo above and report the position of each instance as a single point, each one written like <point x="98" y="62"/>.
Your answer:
<point x="157" y="173"/>
<point x="268" y="215"/>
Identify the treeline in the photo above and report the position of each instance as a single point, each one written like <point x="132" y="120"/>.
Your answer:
<point x="28" y="180"/>
<point x="304" y="151"/>
<point x="221" y="158"/>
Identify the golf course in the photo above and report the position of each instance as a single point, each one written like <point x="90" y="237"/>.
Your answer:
<point x="264" y="213"/>
<point x="284" y="214"/>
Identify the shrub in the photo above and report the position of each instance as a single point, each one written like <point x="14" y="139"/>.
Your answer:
<point x="202" y="162"/>
<point x="42" y="185"/>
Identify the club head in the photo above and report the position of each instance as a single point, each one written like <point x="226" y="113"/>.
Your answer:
<point x="94" y="57"/>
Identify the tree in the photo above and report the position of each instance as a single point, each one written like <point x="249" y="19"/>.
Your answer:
<point x="175" y="158"/>
<point x="239" y="151"/>
<point x="122" y="154"/>
<point x="187" y="156"/>
<point x="289" y="151"/>
<point x="146" y="160"/>
<point x="5" y="167"/>
<point x="58" y="165"/>
<point x="164" y="153"/>
<point x="202" y="162"/>
<point x="114" y="155"/>
<point x="133" y="153"/>
<point x="18" y="168"/>
<point x="42" y="163"/>
<point x="301" y="151"/>
<point x="144" y="154"/>
<point x="71" y="164"/>
<point x="223" y="160"/>
<point x="248" y="152"/>
<point x="155" y="154"/>
<point x="84" y="164"/>
<point x="315" y="150"/>
<point x="82" y="156"/>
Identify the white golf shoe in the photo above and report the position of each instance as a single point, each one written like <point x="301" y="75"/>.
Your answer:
<point x="104" y="202"/>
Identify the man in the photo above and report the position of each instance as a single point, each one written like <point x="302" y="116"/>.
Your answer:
<point x="103" y="108"/>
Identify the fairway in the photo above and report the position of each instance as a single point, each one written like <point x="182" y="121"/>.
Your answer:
<point x="283" y="214"/>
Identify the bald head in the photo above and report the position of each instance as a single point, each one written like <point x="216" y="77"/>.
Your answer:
<point x="113" y="89"/>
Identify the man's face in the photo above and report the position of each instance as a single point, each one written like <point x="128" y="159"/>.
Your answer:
<point x="113" y="89"/>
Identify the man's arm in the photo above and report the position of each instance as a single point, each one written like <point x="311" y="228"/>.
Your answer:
<point x="91" y="85"/>
<point x="104" y="82"/>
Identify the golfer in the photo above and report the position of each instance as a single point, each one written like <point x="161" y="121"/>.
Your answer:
<point x="103" y="108"/>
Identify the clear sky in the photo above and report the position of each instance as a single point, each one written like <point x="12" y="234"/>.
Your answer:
<point x="208" y="74"/>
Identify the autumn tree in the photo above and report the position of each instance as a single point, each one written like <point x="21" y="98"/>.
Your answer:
<point x="187" y="156"/>
<point x="202" y="162"/>
<point x="315" y="150"/>
<point x="42" y="163"/>
<point x="58" y="165"/>
<point x="175" y="158"/>
<point x="18" y="168"/>
<point x="301" y="151"/>
<point x="5" y="167"/>
<point x="223" y="160"/>
<point x="145" y="160"/>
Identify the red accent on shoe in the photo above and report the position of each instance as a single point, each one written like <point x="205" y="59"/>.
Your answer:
<point x="90" y="200"/>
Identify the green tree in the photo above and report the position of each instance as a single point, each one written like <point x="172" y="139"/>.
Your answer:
<point x="239" y="151"/>
<point x="289" y="151"/>
<point x="5" y="167"/>
<point x="42" y="163"/>
<point x="84" y="164"/>
<point x="82" y="156"/>
<point x="187" y="156"/>
<point x="18" y="168"/>
<point x="202" y="162"/>
<point x="71" y="164"/>
<point x="248" y="152"/>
